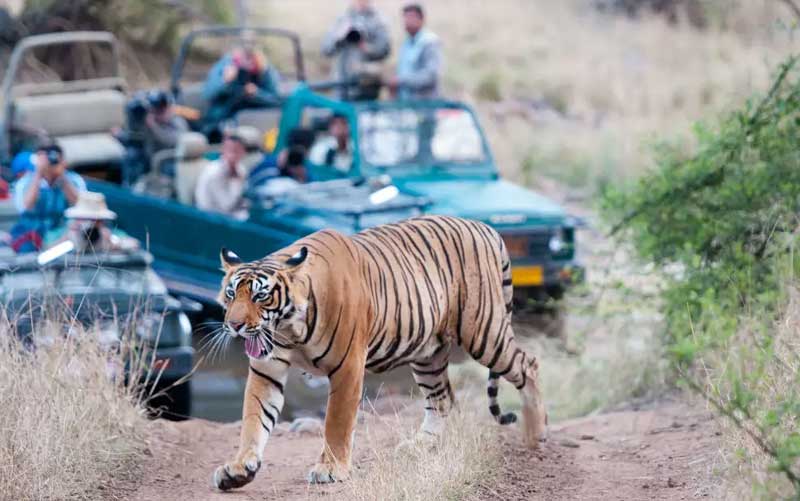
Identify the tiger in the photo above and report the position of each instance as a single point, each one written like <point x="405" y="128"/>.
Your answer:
<point x="336" y="305"/>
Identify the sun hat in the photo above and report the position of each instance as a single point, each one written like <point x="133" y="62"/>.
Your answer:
<point x="90" y="205"/>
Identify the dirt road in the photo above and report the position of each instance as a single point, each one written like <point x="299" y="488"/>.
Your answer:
<point x="664" y="451"/>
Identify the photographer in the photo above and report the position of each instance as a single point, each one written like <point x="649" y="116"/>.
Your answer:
<point x="358" y="38"/>
<point x="42" y="196"/>
<point x="242" y="79"/>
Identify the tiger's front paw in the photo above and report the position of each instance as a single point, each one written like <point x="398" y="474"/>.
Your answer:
<point x="236" y="474"/>
<point x="324" y="473"/>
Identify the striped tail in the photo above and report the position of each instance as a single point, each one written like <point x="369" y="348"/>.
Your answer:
<point x="494" y="408"/>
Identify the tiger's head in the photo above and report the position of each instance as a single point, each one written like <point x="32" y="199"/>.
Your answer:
<point x="261" y="303"/>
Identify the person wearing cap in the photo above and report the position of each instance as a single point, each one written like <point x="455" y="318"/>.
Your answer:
<point x="359" y="38"/>
<point x="220" y="187"/>
<point x="242" y="79"/>
<point x="42" y="196"/>
<point x="419" y="63"/>
<point x="87" y="227"/>
<point x="164" y="127"/>
<point x="335" y="149"/>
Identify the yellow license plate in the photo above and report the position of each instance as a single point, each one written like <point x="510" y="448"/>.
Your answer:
<point x="527" y="275"/>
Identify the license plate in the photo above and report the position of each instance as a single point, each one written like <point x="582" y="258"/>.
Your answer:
<point x="527" y="275"/>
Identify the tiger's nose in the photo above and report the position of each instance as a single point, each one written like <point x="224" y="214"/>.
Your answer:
<point x="236" y="326"/>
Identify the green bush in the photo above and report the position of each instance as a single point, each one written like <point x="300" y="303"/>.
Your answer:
<point x="723" y="225"/>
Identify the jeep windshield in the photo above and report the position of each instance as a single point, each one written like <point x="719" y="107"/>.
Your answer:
<point x="424" y="136"/>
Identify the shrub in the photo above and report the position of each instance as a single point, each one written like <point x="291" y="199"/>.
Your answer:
<point x="723" y="223"/>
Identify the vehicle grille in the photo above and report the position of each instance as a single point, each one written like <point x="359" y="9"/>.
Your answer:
<point x="533" y="243"/>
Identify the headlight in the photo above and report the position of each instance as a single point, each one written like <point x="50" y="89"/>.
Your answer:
<point x="556" y="243"/>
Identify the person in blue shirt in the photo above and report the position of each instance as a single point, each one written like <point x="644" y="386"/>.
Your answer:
<point x="419" y="63"/>
<point x="42" y="196"/>
<point x="242" y="79"/>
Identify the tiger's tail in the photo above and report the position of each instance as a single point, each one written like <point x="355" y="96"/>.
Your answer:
<point x="494" y="407"/>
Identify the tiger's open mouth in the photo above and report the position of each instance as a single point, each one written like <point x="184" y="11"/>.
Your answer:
<point x="256" y="346"/>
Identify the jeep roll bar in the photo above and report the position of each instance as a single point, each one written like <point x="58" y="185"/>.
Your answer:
<point x="64" y="38"/>
<point x="221" y="31"/>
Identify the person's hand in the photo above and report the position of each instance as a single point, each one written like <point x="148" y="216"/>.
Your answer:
<point x="150" y="120"/>
<point x="251" y="89"/>
<point x="393" y="83"/>
<point x="362" y="46"/>
<point x="229" y="73"/>
<point x="344" y="29"/>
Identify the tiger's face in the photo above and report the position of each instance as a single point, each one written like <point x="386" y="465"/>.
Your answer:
<point x="259" y="303"/>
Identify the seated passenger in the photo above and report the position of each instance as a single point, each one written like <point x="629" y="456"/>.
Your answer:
<point x="87" y="227"/>
<point x="42" y="196"/>
<point x="242" y="79"/>
<point x="288" y="173"/>
<point x="221" y="185"/>
<point x="164" y="127"/>
<point x="334" y="150"/>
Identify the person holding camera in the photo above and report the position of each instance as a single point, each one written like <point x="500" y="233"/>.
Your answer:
<point x="242" y="79"/>
<point x="419" y="63"/>
<point x="41" y="197"/>
<point x="358" y="39"/>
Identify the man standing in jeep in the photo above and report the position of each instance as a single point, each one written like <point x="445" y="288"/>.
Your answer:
<point x="360" y="42"/>
<point x="419" y="64"/>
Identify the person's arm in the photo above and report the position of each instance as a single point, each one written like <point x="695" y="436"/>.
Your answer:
<point x="167" y="134"/>
<point x="216" y="86"/>
<point x="71" y="187"/>
<point x="31" y="194"/>
<point x="378" y="45"/>
<point x="428" y="74"/>
<point x="333" y="38"/>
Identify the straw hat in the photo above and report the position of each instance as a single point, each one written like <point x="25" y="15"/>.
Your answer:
<point x="90" y="205"/>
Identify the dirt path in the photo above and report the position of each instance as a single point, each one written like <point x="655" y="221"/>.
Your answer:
<point x="665" y="451"/>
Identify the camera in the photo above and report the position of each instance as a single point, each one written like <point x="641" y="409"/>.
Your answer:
<point x="244" y="77"/>
<point x="53" y="158"/>
<point x="353" y="36"/>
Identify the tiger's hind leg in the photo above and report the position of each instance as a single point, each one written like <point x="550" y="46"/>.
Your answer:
<point x="431" y="377"/>
<point x="505" y="359"/>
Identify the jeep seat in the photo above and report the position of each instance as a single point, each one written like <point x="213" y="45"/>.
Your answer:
<point x="80" y="122"/>
<point x="191" y="150"/>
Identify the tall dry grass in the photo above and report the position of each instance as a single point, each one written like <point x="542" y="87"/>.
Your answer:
<point x="451" y="467"/>
<point x="70" y="423"/>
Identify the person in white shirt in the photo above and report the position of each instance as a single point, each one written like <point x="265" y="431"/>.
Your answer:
<point x="221" y="185"/>
<point x="335" y="149"/>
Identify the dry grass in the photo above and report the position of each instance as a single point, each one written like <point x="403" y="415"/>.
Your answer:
<point x="750" y="472"/>
<point x="68" y="428"/>
<point x="449" y="468"/>
<point x="570" y="93"/>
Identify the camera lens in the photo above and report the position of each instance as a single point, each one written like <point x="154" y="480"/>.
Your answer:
<point x="353" y="36"/>
<point x="53" y="157"/>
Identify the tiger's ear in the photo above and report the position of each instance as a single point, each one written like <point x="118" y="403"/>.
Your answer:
<point x="298" y="258"/>
<point x="229" y="259"/>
